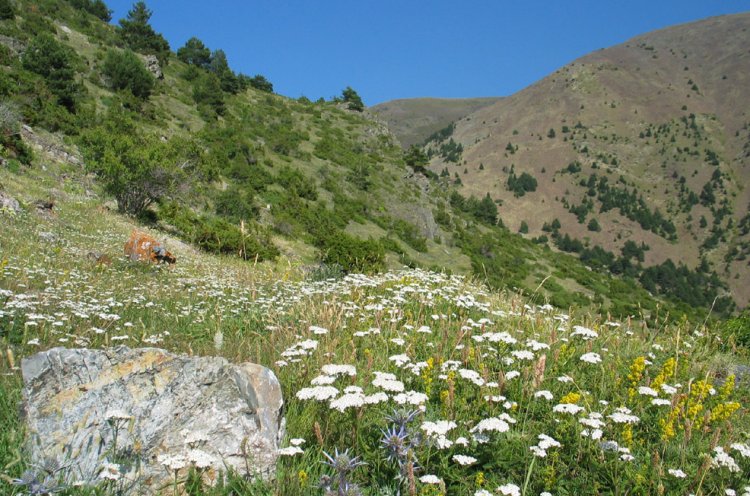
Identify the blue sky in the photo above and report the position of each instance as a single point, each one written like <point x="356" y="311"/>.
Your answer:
<point x="405" y="48"/>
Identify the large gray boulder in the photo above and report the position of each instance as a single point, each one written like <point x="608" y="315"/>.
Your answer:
<point x="135" y="418"/>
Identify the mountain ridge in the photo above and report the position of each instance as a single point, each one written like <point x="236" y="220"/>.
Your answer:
<point x="597" y="107"/>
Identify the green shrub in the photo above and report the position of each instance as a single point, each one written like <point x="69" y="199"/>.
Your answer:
<point x="55" y="63"/>
<point x="352" y="254"/>
<point x="125" y="71"/>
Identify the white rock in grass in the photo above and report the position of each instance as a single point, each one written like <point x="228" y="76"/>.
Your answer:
<point x="75" y="399"/>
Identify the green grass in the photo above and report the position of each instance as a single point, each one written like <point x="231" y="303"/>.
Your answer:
<point x="263" y="310"/>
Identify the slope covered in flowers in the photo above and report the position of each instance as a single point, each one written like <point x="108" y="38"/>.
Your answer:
<point x="407" y="382"/>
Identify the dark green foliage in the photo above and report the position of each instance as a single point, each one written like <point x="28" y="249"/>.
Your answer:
<point x="631" y="249"/>
<point x="520" y="185"/>
<point x="258" y="82"/>
<point x="737" y="330"/>
<point x="450" y="151"/>
<point x="236" y="204"/>
<point x="6" y="10"/>
<point x="217" y="235"/>
<point x="207" y="93"/>
<point x="136" y="168"/>
<point x="94" y="7"/>
<point x="416" y="158"/>
<point x="697" y="287"/>
<point x="10" y="134"/>
<point x="441" y="135"/>
<point x="125" y="71"/>
<point x="296" y="184"/>
<point x="406" y="231"/>
<point x="55" y="63"/>
<point x="227" y="78"/>
<point x="593" y="225"/>
<point x="573" y="167"/>
<point x="350" y="253"/>
<point x="138" y="34"/>
<point x="351" y="97"/>
<point x="484" y="210"/>
<point x="631" y="205"/>
<point x="524" y="229"/>
<point x="194" y="52"/>
<point x="551" y="133"/>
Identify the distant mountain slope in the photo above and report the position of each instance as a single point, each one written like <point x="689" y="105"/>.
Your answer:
<point x="412" y="120"/>
<point x="649" y="138"/>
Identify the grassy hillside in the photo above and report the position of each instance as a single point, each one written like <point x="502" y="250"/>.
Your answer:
<point x="218" y="160"/>
<point x="643" y="143"/>
<point x="437" y="384"/>
<point x="413" y="120"/>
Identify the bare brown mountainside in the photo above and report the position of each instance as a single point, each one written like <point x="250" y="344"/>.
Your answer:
<point x="664" y="117"/>
<point x="412" y="120"/>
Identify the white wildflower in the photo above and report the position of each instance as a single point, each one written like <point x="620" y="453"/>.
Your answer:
<point x="512" y="375"/>
<point x="289" y="451"/>
<point x="320" y="393"/>
<point x="323" y="380"/>
<point x="472" y="376"/>
<point x="400" y="360"/>
<point x="200" y="458"/>
<point x="509" y="490"/>
<point x="584" y="332"/>
<point x="591" y="357"/>
<point x="567" y="408"/>
<point x="675" y="472"/>
<point x="430" y="479"/>
<point x="335" y="370"/>
<point x="623" y="415"/>
<point x="547" y="395"/>
<point x="647" y="391"/>
<point x="464" y="459"/>
<point x="743" y="449"/>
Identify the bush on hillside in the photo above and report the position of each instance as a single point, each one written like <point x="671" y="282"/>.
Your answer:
<point x="352" y="254"/>
<point x="136" y="168"/>
<point x="125" y="71"/>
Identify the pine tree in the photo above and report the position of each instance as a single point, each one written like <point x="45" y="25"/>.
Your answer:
<point x="138" y="34"/>
<point x="353" y="99"/>
<point x="194" y="52"/>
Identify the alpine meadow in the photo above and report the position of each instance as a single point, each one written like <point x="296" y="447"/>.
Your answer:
<point x="542" y="293"/>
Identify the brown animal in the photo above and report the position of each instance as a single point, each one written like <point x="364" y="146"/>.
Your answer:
<point x="143" y="247"/>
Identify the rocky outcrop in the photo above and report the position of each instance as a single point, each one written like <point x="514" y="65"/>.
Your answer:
<point x="9" y="204"/>
<point x="152" y="64"/>
<point x="140" y="417"/>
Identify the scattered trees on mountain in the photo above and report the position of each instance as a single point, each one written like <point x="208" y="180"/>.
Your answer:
<point x="125" y="71"/>
<point x="520" y="185"/>
<point x="139" y="36"/>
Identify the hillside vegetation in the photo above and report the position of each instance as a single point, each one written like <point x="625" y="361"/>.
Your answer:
<point x="424" y="346"/>
<point x="217" y="159"/>
<point x="404" y="382"/>
<point x="643" y="143"/>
